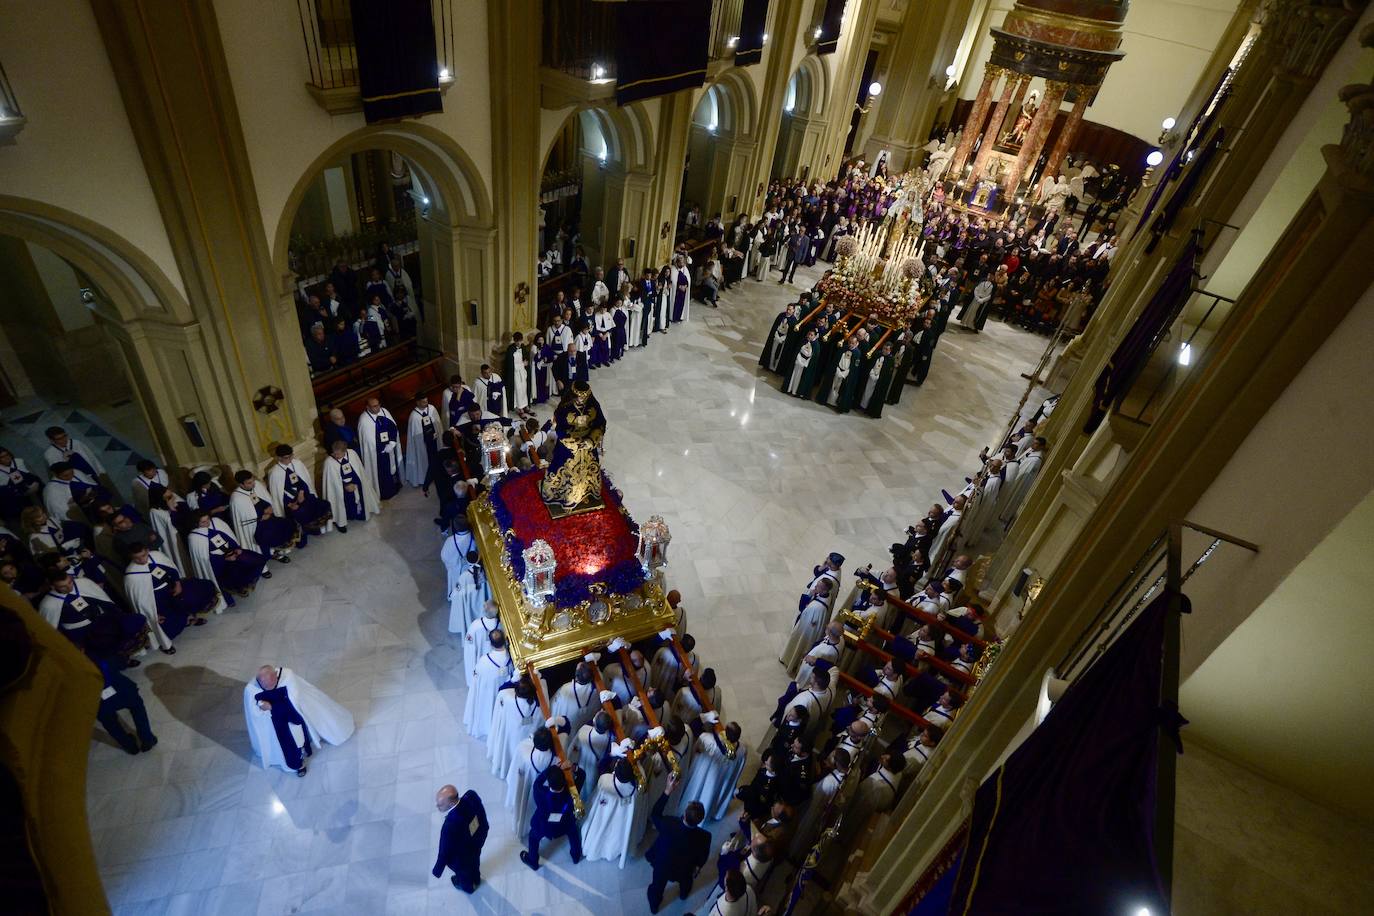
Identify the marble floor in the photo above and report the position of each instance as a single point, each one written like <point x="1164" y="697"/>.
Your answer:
<point x="756" y="487"/>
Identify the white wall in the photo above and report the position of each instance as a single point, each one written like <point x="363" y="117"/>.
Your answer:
<point x="286" y="130"/>
<point x="77" y="150"/>
<point x="1167" y="44"/>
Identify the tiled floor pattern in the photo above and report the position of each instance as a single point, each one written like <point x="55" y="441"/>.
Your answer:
<point x="756" y="487"/>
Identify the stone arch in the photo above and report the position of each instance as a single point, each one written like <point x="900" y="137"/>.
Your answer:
<point x="459" y="195"/>
<point x="803" y="122"/>
<point x="738" y="101"/>
<point x="812" y="88"/>
<point x="626" y="131"/>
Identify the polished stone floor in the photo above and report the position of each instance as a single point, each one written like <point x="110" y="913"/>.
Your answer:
<point x="756" y="488"/>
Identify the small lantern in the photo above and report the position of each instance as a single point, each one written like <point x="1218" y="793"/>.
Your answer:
<point x="653" y="543"/>
<point x="539" y="569"/>
<point x="494" y="448"/>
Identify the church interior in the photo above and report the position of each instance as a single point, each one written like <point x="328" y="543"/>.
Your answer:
<point x="718" y="457"/>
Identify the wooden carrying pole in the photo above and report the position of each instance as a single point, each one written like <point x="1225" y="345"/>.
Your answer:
<point x="939" y="664"/>
<point x="650" y="716"/>
<point x="703" y="700"/>
<point x="857" y="686"/>
<point x="563" y="762"/>
<point x="924" y="617"/>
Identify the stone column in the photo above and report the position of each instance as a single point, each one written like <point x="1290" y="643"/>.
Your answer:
<point x="174" y="82"/>
<point x="974" y="126"/>
<point x="1068" y="133"/>
<point x="1035" y="137"/>
<point x="777" y="62"/>
<point x="652" y="242"/>
<point x="1014" y="83"/>
<point x="513" y="51"/>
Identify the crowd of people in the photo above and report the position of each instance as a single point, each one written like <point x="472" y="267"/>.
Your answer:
<point x="351" y="314"/>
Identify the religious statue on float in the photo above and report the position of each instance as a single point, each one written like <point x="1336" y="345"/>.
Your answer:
<point x="572" y="482"/>
<point x="1021" y="126"/>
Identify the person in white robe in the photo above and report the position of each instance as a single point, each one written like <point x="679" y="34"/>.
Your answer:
<point x="422" y="441"/>
<point x="378" y="445"/>
<point x="454" y="554"/>
<point x="139" y="588"/>
<point x="665" y="674"/>
<point x="533" y="756"/>
<point x="244" y="503"/>
<point x="594" y="743"/>
<point x="1027" y="471"/>
<point x="54" y="600"/>
<point x="634" y="322"/>
<point x="827" y="649"/>
<point x="877" y="793"/>
<point x="320" y="718"/>
<point x="515" y="717"/>
<point x="477" y="639"/>
<point x="918" y="752"/>
<point x="968" y="318"/>
<point x="713" y="774"/>
<point x="148" y="476"/>
<point x="983" y="512"/>
<point x="490" y="390"/>
<point x="346" y="488"/>
<point x="609" y="825"/>
<point x="489" y="672"/>
<point x="619" y="680"/>
<point x="286" y="476"/>
<point x="164" y="507"/>
<point x="519" y="376"/>
<point x="944" y="537"/>
<point x="212" y="537"/>
<point x="62" y="447"/>
<point x="60" y="492"/>
<point x="577" y="700"/>
<point x="686" y="705"/>
<point x="681" y="740"/>
<point x="469" y="596"/>
<point x="799" y="365"/>
<point x="657" y="771"/>
<point x="736" y="897"/>
<point x="807" y="628"/>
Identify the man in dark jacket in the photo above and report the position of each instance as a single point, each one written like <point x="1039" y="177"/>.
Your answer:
<point x="681" y="849"/>
<point x="122" y="693"/>
<point x="553" y="817"/>
<point x="461" y="837"/>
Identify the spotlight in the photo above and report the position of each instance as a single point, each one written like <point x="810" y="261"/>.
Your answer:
<point x="734" y="40"/>
<point x="1167" y="125"/>
<point x="875" y="88"/>
<point x="818" y="31"/>
<point x="444" y="74"/>
<point x="949" y="71"/>
<point x="765" y="38"/>
<point x="1185" y="358"/>
<point x="1154" y="159"/>
<point x="598" y="72"/>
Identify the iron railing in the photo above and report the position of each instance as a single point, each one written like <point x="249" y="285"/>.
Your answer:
<point x="327" y="32"/>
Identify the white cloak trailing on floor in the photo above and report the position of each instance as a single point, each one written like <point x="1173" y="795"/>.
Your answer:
<point x="490" y="672"/>
<point x="332" y="487"/>
<point x="243" y="509"/>
<point x="527" y="766"/>
<point x="367" y="442"/>
<point x="712" y="776"/>
<point x="512" y="721"/>
<point x="327" y="720"/>
<point x="607" y="829"/>
<point x="417" y="454"/>
<point x="454" y="556"/>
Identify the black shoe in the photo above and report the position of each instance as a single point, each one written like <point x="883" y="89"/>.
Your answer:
<point x="131" y="749"/>
<point x="172" y="650"/>
<point x="283" y="559"/>
<point x="132" y="663"/>
<point x="577" y="859"/>
<point x="266" y="574"/>
<point x="654" y="909"/>
<point x="343" y="529"/>
<point x="525" y="857"/>
<point x="302" y="771"/>
<point x="150" y="744"/>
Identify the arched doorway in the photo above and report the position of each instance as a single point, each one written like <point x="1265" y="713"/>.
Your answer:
<point x="161" y="378"/>
<point x="413" y="189"/>
<point x="583" y="182"/>
<point x="803" y="119"/>
<point x="719" y="144"/>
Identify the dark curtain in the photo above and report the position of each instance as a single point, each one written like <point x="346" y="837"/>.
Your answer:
<point x="398" y="65"/>
<point x="1141" y="340"/>
<point x="830" y="27"/>
<point x="753" y="20"/>
<point x="661" y="46"/>
<point x="1067" y="824"/>
<point x="1186" y="186"/>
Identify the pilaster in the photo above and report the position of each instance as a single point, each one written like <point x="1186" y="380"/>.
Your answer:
<point x="175" y="84"/>
<point x="655" y="236"/>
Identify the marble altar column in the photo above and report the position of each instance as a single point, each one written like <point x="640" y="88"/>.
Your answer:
<point x="974" y="125"/>
<point x="1035" y="136"/>
<point x="1068" y="133"/>
<point x="994" y="128"/>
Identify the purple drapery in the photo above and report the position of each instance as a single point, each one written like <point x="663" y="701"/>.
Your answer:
<point x="1140" y="341"/>
<point x="646" y="66"/>
<point x="1067" y="824"/>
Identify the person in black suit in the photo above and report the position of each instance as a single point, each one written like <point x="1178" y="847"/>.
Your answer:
<point x="122" y="693"/>
<point x="553" y="817"/>
<point x="680" y="850"/>
<point x="461" y="838"/>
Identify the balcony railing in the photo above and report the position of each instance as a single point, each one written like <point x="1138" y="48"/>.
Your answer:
<point x="580" y="35"/>
<point x="327" y="33"/>
<point x="11" y="115"/>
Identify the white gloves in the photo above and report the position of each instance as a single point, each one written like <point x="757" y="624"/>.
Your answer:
<point x="615" y="645"/>
<point x="607" y="696"/>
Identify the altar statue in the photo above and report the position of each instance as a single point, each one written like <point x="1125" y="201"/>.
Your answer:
<point x="1053" y="192"/>
<point x="939" y="163"/>
<point x="1021" y="126"/>
<point x="572" y="482"/>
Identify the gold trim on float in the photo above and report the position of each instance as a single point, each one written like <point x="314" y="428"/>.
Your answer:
<point x="549" y="635"/>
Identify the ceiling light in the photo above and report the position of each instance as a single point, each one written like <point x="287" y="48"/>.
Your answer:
<point x="949" y="71"/>
<point x="1169" y="123"/>
<point x="875" y="88"/>
<point x="598" y="71"/>
<point x="765" y="38"/>
<point x="1185" y="354"/>
<point x="444" y="74"/>
<point x="734" y="40"/>
<point x="818" y="31"/>
<point x="1154" y="159"/>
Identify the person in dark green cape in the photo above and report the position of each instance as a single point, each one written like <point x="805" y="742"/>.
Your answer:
<point x="795" y="338"/>
<point x="874" y="385"/>
<point x="926" y="339"/>
<point x="905" y="356"/>
<point x="801" y="378"/>
<point x="841" y="377"/>
<point x="777" y="337"/>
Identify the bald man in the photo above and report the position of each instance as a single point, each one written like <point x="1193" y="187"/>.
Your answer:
<point x="461" y="837"/>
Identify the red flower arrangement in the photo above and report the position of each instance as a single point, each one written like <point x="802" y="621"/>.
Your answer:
<point x="590" y="548"/>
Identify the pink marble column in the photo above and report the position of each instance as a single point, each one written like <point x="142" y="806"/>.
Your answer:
<point x="994" y="128"/>
<point x="1035" y="136"/>
<point x="974" y="126"/>
<point x="1068" y="133"/>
